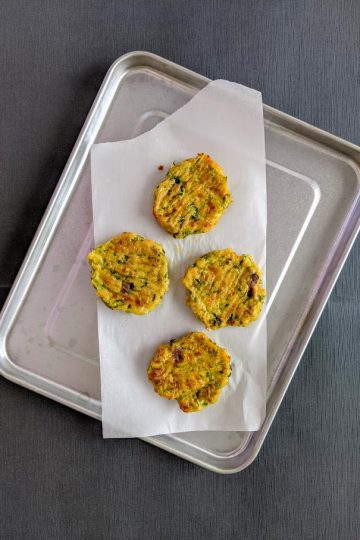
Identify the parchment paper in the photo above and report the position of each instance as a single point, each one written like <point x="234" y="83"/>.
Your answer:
<point x="224" y="120"/>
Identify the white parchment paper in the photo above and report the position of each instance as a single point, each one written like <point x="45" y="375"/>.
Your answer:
<point x="224" y="120"/>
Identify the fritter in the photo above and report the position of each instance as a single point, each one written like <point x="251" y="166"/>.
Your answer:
<point x="193" y="370"/>
<point x="225" y="289"/>
<point x="129" y="273"/>
<point x="192" y="197"/>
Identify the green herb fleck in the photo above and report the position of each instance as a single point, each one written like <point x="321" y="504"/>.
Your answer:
<point x="195" y="212"/>
<point x="216" y="320"/>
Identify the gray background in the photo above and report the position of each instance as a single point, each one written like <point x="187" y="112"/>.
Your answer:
<point x="58" y="478"/>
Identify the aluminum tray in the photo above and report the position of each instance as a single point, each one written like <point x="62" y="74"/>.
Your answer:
<point x="48" y="334"/>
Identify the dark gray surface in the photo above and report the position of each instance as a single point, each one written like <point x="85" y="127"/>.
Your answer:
<point x="58" y="478"/>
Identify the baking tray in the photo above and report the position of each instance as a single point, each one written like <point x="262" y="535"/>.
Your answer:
<point x="48" y="330"/>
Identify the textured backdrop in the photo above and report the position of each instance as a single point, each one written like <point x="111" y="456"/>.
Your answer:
<point x="58" y="478"/>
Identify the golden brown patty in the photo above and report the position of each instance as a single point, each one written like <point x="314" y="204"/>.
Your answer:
<point x="224" y="289"/>
<point x="129" y="273"/>
<point x="192" y="370"/>
<point x="192" y="197"/>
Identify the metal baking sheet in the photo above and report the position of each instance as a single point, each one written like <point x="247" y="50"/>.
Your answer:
<point x="48" y="332"/>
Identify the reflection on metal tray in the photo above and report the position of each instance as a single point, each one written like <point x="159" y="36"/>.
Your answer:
<point x="48" y="333"/>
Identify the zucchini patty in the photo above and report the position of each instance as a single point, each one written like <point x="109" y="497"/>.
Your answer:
<point x="224" y="289"/>
<point x="129" y="273"/>
<point x="192" y="197"/>
<point x="193" y="370"/>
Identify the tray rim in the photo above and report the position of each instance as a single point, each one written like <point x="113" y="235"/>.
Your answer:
<point x="62" y="193"/>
